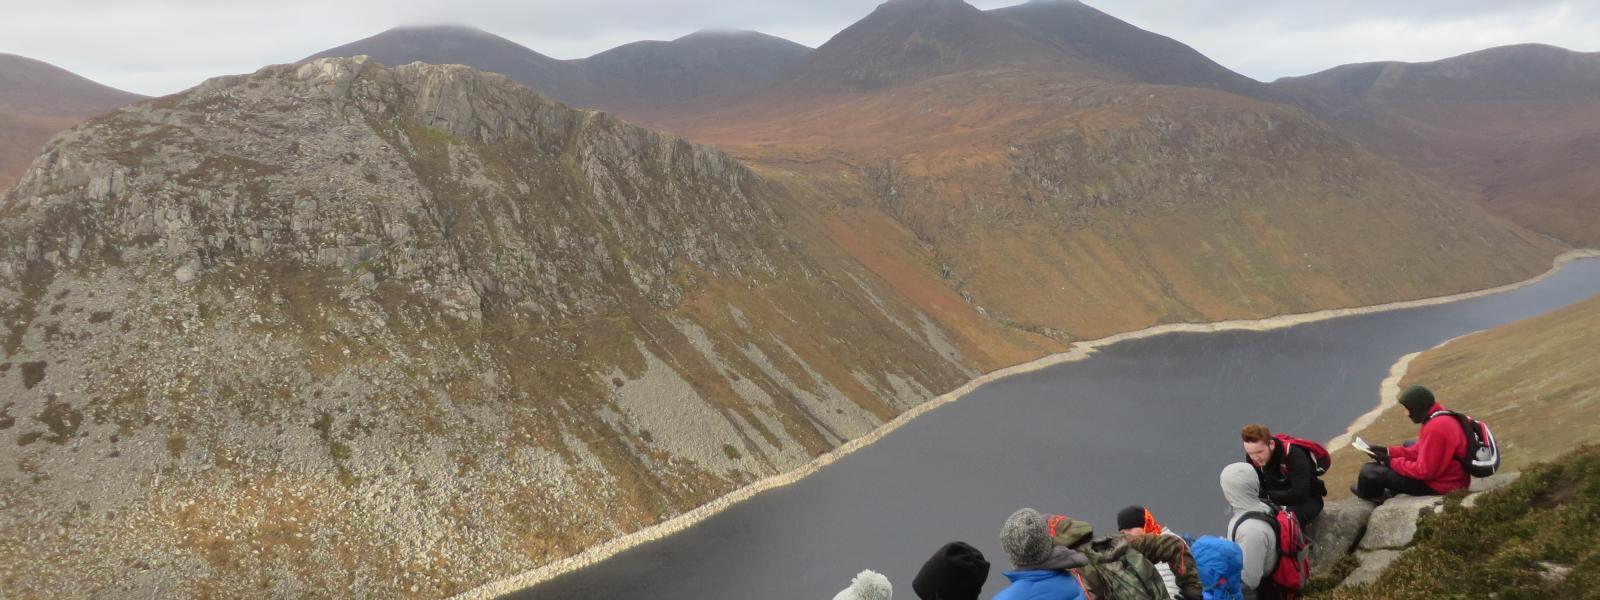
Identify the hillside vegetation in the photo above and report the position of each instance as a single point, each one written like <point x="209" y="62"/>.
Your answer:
<point x="1533" y="540"/>
<point x="1536" y="381"/>
<point x="1517" y="127"/>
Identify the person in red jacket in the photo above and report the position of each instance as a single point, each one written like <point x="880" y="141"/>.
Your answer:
<point x="1431" y="466"/>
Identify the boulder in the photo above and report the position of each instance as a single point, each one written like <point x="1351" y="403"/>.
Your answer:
<point x="1394" y="523"/>
<point x="1372" y="565"/>
<point x="1336" y="532"/>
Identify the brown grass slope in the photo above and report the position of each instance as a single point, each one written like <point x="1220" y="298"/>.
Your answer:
<point x="37" y="100"/>
<point x="340" y="329"/>
<point x="1063" y="196"/>
<point x="1518" y="126"/>
<point x="1536" y="381"/>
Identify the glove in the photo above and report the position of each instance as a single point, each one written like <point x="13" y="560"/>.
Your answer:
<point x="1380" y="455"/>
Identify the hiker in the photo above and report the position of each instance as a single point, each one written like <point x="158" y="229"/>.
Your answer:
<point x="956" y="572"/>
<point x="1287" y="471"/>
<point x="1256" y="538"/>
<point x="1116" y="569"/>
<point x="867" y="585"/>
<point x="1043" y="570"/>
<point x="1431" y="466"/>
<point x="1220" y="565"/>
<point x="1165" y="548"/>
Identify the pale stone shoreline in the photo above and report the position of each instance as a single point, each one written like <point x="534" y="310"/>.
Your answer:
<point x="1078" y="351"/>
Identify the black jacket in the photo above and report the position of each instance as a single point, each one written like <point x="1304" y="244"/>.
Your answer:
<point x="1290" y="477"/>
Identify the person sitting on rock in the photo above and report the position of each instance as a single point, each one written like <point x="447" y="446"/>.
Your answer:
<point x="1043" y="569"/>
<point x="956" y="572"/>
<point x="1255" y="537"/>
<point x="868" y="585"/>
<point x="1288" y="473"/>
<point x="1165" y="548"/>
<point x="1430" y="466"/>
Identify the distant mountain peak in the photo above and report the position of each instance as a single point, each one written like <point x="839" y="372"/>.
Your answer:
<point x="724" y="33"/>
<point x="928" y="3"/>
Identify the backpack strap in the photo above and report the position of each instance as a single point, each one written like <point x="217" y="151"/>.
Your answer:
<point x="1082" y="584"/>
<point x="1276" y="535"/>
<point x="1467" y="430"/>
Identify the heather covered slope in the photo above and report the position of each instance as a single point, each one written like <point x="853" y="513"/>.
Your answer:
<point x="418" y="324"/>
<point x="37" y="100"/>
<point x="1536" y="381"/>
<point x="1517" y="126"/>
<point x="1076" y="204"/>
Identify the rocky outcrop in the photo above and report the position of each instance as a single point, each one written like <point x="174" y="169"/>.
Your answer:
<point x="421" y="323"/>
<point x="1377" y="535"/>
<point x="1336" y="532"/>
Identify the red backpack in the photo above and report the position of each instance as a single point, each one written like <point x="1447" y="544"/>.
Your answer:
<point x="1293" y="568"/>
<point x="1319" y="454"/>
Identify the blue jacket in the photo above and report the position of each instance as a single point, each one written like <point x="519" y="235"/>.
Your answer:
<point x="1041" y="585"/>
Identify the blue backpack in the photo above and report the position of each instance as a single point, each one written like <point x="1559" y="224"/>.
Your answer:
<point x="1220" y="565"/>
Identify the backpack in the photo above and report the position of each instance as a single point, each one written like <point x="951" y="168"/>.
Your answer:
<point x="1293" y="569"/>
<point x="1118" y="572"/>
<point x="1319" y="455"/>
<point x="1220" y="565"/>
<point x="1483" y="453"/>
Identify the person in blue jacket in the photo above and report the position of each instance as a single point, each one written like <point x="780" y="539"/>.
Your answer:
<point x="1043" y="570"/>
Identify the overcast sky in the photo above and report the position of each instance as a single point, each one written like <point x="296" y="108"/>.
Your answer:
<point x="162" y="46"/>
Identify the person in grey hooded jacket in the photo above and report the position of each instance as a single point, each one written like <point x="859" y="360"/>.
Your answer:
<point x="1242" y="488"/>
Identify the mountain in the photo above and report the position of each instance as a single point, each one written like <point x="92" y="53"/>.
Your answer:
<point x="1518" y="126"/>
<point x="420" y="323"/>
<point x="634" y="79"/>
<point x="462" y="45"/>
<point x="709" y="64"/>
<point x="909" y="40"/>
<point x="1078" y="167"/>
<point x="37" y="100"/>
<point x="1080" y="30"/>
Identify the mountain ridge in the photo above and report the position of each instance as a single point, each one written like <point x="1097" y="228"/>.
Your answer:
<point x="37" y="100"/>
<point x="1517" y="126"/>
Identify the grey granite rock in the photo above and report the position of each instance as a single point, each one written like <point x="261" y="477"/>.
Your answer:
<point x="1394" y="523"/>
<point x="1337" y="531"/>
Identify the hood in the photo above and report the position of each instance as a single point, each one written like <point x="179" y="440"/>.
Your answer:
<point x="1060" y="559"/>
<point x="1242" y="488"/>
<point x="868" y="585"/>
<point x="1069" y="532"/>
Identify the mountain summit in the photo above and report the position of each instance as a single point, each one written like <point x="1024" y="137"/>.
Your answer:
<point x="907" y="40"/>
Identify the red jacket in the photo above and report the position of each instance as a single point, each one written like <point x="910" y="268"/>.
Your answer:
<point x="1436" y="457"/>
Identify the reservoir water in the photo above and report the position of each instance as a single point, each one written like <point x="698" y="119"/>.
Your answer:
<point x="1149" y="421"/>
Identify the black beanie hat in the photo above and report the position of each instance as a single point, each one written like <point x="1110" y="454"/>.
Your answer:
<point x="1130" y="517"/>
<point x="956" y="572"/>
<point x="1418" y="401"/>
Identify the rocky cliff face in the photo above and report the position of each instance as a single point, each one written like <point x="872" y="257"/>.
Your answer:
<point x="341" y="328"/>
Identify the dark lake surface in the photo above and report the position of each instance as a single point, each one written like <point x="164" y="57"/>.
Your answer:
<point x="1149" y="421"/>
